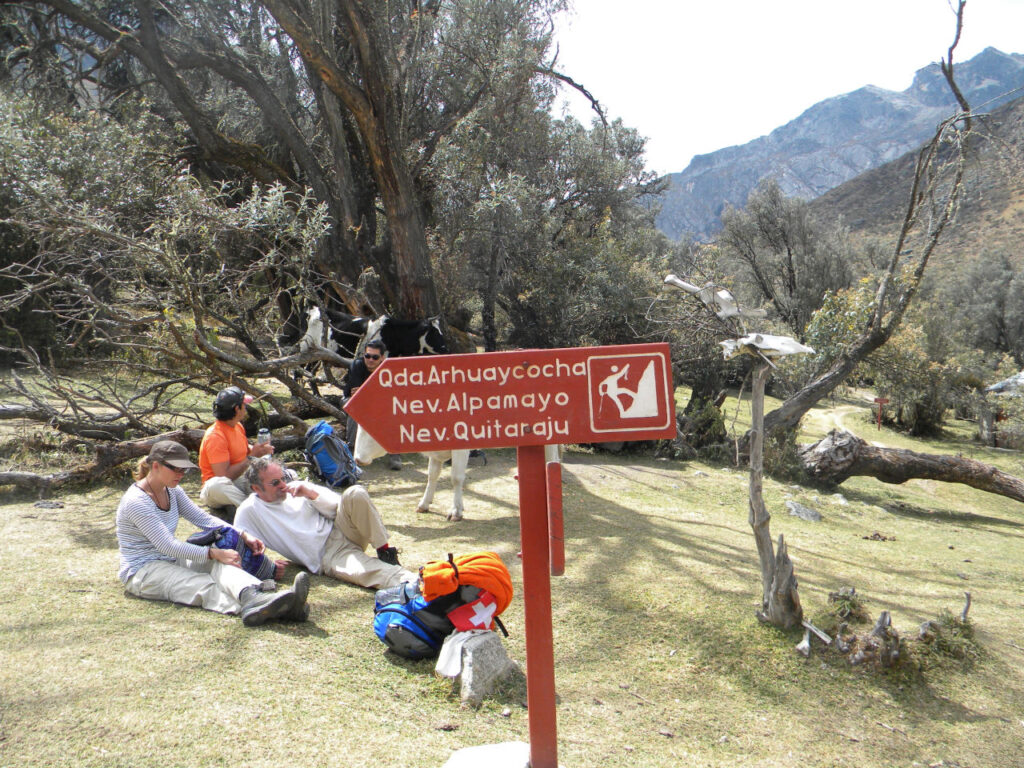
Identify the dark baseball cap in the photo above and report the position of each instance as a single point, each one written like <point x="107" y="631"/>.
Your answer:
<point x="171" y="454"/>
<point x="232" y="397"/>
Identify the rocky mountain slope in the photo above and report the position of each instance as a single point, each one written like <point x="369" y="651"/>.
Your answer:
<point x="833" y="142"/>
<point x="991" y="215"/>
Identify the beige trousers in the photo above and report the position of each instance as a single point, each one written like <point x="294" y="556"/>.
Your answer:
<point x="222" y="492"/>
<point x="358" y="524"/>
<point x="212" y="584"/>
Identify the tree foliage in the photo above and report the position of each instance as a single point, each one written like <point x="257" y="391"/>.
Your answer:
<point x="203" y="160"/>
<point x="528" y="205"/>
<point x="137" y="263"/>
<point x="789" y="260"/>
<point x="349" y="99"/>
<point x="986" y="304"/>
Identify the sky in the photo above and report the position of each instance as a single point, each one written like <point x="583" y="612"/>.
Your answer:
<point x="694" y="76"/>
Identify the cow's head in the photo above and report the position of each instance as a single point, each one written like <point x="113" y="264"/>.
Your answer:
<point x="432" y="340"/>
<point x="373" y="328"/>
<point x="366" y="448"/>
<point x="314" y="335"/>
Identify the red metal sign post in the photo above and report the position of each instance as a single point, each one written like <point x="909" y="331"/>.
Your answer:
<point x="527" y="399"/>
<point x="881" y="401"/>
<point x="540" y="653"/>
<point x="556" y="528"/>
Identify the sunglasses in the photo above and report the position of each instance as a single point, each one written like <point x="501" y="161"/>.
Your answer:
<point x="368" y="356"/>
<point x="177" y="470"/>
<point x="276" y="482"/>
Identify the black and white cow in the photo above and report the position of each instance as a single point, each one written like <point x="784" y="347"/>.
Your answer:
<point x="343" y="332"/>
<point x="342" y="336"/>
<point x="404" y="338"/>
<point x="306" y="328"/>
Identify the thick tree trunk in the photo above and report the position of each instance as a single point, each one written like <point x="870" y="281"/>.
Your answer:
<point x="841" y="455"/>
<point x="375" y="108"/>
<point x="780" y="603"/>
<point x="490" y="300"/>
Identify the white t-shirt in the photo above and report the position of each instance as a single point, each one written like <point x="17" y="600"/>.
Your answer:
<point x="295" y="527"/>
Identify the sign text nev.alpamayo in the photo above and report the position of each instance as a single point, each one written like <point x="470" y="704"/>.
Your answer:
<point x="526" y="397"/>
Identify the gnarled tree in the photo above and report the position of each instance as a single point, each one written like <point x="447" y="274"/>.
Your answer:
<point x="349" y="98"/>
<point x="935" y="192"/>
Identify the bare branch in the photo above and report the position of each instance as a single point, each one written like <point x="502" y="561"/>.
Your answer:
<point x="550" y="72"/>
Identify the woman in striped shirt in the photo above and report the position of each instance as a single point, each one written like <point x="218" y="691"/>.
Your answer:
<point x="157" y="566"/>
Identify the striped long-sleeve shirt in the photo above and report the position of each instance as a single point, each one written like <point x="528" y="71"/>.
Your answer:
<point x="145" y="532"/>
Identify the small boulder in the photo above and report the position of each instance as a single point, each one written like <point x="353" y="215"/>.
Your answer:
<point x="484" y="665"/>
<point x="804" y="513"/>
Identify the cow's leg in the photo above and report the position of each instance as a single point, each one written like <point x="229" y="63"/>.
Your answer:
<point x="553" y="453"/>
<point x="460" y="460"/>
<point x="434" y="463"/>
<point x="309" y="374"/>
<point x="367" y="449"/>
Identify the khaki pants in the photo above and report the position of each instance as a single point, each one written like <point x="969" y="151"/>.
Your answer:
<point x="358" y="524"/>
<point x="212" y="585"/>
<point x="222" y="492"/>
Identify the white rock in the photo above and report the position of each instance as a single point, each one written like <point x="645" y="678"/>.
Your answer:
<point x="510" y="754"/>
<point x="804" y="513"/>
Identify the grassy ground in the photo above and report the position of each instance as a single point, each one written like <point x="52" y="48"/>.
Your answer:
<point x="659" y="659"/>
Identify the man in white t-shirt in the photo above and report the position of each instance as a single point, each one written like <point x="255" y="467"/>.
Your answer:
<point x="318" y="528"/>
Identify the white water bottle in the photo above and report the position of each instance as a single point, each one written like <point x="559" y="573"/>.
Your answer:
<point x="263" y="436"/>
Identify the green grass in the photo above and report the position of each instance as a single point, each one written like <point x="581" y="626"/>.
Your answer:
<point x="659" y="659"/>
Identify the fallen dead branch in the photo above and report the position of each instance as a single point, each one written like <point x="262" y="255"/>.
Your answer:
<point x="842" y="455"/>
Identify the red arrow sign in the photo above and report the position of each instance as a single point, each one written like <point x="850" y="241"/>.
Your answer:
<point x="528" y="397"/>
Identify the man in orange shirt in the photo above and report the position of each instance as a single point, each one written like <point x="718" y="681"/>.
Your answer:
<point x="225" y="451"/>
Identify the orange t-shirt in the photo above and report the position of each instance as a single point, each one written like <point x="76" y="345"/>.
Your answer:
<point x="222" y="442"/>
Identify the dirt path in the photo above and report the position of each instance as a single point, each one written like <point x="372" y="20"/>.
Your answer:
<point x="824" y="420"/>
<point x="845" y="416"/>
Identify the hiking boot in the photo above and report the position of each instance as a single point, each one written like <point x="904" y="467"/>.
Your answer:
<point x="260" y="607"/>
<point x="388" y="555"/>
<point x="300" y="588"/>
<point x="394" y="462"/>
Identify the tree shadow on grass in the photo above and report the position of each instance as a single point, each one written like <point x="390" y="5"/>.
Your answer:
<point x="685" y="556"/>
<point x="915" y="512"/>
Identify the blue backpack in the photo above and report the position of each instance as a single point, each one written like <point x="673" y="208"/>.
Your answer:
<point x="331" y="459"/>
<point x="410" y="625"/>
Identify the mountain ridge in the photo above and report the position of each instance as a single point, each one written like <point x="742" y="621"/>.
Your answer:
<point x="832" y="142"/>
<point x="990" y="218"/>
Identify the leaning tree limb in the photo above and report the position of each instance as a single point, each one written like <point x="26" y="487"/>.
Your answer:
<point x="110" y="455"/>
<point x="841" y="455"/>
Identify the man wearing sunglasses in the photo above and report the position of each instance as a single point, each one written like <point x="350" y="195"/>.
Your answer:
<point x="318" y="528"/>
<point x="375" y="354"/>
